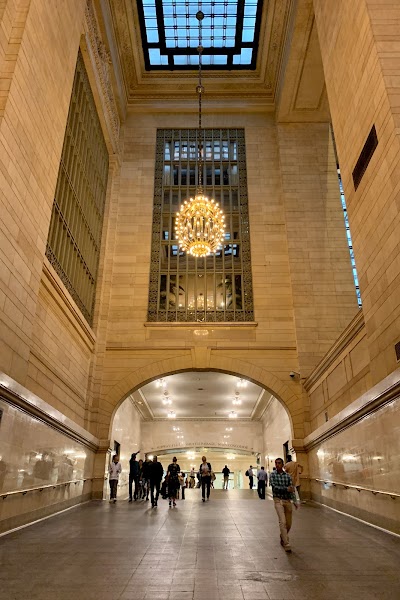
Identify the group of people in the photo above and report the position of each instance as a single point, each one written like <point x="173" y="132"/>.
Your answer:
<point x="147" y="475"/>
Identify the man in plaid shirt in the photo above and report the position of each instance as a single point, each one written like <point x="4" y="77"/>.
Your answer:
<point x="283" y="491"/>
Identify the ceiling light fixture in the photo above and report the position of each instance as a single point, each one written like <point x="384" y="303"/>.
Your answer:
<point x="167" y="401"/>
<point x="200" y="224"/>
<point x="171" y="414"/>
<point x="161" y="383"/>
<point x="242" y="383"/>
<point x="232" y="414"/>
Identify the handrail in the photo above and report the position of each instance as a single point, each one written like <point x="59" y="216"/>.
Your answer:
<point x="44" y="487"/>
<point x="359" y="488"/>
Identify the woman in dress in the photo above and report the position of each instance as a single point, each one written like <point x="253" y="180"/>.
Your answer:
<point x="205" y="472"/>
<point x="173" y="481"/>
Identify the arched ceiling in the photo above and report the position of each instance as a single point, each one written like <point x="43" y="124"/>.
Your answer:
<point x="199" y="394"/>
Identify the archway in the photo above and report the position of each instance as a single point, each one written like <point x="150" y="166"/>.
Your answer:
<point x="161" y="435"/>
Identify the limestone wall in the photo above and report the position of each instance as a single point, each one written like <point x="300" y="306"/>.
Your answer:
<point x="358" y="42"/>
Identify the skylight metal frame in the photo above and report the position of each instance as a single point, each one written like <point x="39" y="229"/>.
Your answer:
<point x="191" y="51"/>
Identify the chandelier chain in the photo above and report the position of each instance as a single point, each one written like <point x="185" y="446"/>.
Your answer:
<point x="200" y="90"/>
<point x="199" y="224"/>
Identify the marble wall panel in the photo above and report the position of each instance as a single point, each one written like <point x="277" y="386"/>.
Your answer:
<point x="276" y="432"/>
<point x="126" y="430"/>
<point x="365" y="454"/>
<point x="239" y="435"/>
<point x="33" y="454"/>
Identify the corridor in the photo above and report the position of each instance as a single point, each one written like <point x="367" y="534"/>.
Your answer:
<point x="225" y="549"/>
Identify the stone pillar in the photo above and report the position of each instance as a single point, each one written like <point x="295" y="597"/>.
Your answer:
<point x="360" y="48"/>
<point x="302" y="459"/>
<point x="101" y="460"/>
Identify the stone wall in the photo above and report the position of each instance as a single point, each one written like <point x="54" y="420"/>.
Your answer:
<point x="359" y="46"/>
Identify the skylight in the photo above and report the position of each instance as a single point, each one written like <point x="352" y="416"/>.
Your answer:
<point x="170" y="34"/>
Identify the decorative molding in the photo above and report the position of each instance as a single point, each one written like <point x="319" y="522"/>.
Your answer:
<point x="211" y="446"/>
<point x="102" y="64"/>
<point x="148" y="86"/>
<point x="381" y="394"/>
<point x="18" y="396"/>
<point x="348" y="335"/>
<point x="196" y="419"/>
<point x="203" y="325"/>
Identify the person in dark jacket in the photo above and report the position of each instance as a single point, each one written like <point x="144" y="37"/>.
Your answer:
<point x="146" y="475"/>
<point x="155" y="472"/>
<point x="133" y="476"/>
<point x="173" y="481"/>
<point x="205" y="471"/>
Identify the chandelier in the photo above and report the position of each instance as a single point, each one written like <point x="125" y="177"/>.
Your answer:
<point x="200" y="223"/>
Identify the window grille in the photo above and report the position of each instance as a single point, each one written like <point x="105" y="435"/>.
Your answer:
<point x="73" y="243"/>
<point x="217" y="288"/>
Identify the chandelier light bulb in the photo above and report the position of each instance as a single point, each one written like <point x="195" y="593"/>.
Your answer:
<point x="171" y="414"/>
<point x="232" y="414"/>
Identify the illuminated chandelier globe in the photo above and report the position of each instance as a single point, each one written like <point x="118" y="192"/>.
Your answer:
<point x="200" y="226"/>
<point x="200" y="223"/>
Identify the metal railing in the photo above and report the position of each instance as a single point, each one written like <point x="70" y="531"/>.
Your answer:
<point x="359" y="488"/>
<point x="53" y="486"/>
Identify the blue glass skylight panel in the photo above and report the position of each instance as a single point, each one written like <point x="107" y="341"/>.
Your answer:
<point x="229" y="33"/>
<point x="243" y="58"/>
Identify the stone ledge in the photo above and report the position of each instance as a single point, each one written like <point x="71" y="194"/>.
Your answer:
<point x="15" y="394"/>
<point x="384" y="392"/>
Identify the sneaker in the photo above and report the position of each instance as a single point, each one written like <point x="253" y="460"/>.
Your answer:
<point x="170" y="504"/>
<point x="287" y="548"/>
<point x="203" y="499"/>
<point x="115" y="500"/>
<point x="174" y="503"/>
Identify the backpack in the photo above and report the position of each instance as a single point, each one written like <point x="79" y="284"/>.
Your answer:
<point x="247" y="473"/>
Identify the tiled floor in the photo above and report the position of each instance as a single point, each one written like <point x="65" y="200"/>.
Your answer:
<point x="225" y="549"/>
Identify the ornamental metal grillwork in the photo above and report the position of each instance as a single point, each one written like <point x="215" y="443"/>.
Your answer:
<point x="73" y="243"/>
<point x="217" y="288"/>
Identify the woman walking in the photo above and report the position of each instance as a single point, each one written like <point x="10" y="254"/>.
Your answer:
<point x="205" y="478"/>
<point x="173" y="481"/>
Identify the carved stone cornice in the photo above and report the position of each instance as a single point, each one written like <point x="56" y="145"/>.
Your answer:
<point x="101" y="65"/>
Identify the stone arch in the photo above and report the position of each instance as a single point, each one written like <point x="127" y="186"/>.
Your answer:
<point x="225" y="364"/>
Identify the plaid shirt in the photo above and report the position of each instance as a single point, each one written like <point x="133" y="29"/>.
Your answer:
<point x="279" y="483"/>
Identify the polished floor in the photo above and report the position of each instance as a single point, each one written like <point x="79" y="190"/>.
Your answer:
<point x="225" y="549"/>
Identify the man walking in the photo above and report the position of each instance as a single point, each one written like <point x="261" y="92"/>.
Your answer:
<point x="250" y="475"/>
<point x="295" y="470"/>
<point x="283" y="492"/>
<point x="146" y="475"/>
<point x="225" y="472"/>
<point x="155" y="472"/>
<point x="114" y="469"/>
<point x="133" y="476"/>
<point x="262" y="477"/>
